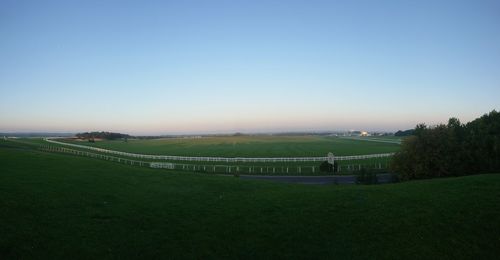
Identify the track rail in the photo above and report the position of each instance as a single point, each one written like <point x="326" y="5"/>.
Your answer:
<point x="222" y="159"/>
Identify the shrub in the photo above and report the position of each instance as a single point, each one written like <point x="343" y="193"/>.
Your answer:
<point x="325" y="167"/>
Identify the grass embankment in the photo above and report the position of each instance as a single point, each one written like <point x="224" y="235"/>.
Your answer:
<point x="59" y="206"/>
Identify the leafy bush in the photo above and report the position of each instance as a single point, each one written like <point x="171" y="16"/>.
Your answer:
<point x="327" y="167"/>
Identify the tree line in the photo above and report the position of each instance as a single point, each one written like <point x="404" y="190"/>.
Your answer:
<point x="102" y="135"/>
<point x="452" y="149"/>
<point x="405" y="132"/>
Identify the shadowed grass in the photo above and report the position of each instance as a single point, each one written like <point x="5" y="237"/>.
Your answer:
<point x="58" y="206"/>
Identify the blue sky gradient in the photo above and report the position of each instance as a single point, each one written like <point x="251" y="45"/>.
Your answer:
<point x="154" y="67"/>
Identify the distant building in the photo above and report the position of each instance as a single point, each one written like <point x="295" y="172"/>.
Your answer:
<point x="354" y="133"/>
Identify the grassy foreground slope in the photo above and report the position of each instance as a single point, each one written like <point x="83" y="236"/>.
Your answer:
<point x="59" y="206"/>
<point x="248" y="146"/>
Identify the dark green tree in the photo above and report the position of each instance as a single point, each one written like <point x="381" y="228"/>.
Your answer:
<point x="453" y="149"/>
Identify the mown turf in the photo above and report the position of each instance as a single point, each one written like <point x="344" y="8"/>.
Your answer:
<point x="58" y="206"/>
<point x="265" y="168"/>
<point x="250" y="146"/>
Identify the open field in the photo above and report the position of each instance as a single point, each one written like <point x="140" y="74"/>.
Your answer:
<point x="249" y="146"/>
<point x="255" y="143"/>
<point x="228" y="167"/>
<point x="60" y="206"/>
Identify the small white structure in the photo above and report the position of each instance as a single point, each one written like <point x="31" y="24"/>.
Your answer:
<point x="159" y="165"/>
<point x="364" y="133"/>
<point x="331" y="158"/>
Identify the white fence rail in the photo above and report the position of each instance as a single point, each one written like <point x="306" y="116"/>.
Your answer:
<point x="222" y="159"/>
<point x="215" y="168"/>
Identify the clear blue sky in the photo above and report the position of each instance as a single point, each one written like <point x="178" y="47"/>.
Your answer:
<point x="154" y="67"/>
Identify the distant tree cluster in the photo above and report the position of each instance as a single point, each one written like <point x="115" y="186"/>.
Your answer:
<point x="405" y="132"/>
<point x="453" y="149"/>
<point x="102" y="135"/>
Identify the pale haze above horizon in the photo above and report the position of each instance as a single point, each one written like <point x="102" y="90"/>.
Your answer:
<point x="162" y="67"/>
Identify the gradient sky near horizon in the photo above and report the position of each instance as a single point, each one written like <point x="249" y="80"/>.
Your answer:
<point x="159" y="67"/>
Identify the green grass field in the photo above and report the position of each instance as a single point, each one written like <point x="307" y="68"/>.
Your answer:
<point x="262" y="168"/>
<point x="261" y="146"/>
<point x="60" y="206"/>
<point x="250" y="146"/>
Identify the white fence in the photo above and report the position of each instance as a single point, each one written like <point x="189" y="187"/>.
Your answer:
<point x="224" y="169"/>
<point x="223" y="159"/>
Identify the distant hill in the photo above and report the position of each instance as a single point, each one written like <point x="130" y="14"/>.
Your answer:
<point x="36" y="134"/>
